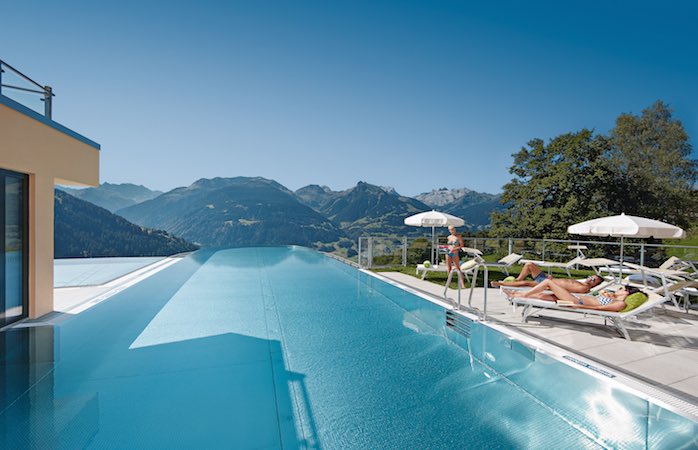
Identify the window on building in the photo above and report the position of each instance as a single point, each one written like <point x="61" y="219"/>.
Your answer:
<point x="13" y="259"/>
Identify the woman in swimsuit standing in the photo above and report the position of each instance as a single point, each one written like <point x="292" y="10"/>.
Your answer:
<point x="455" y="243"/>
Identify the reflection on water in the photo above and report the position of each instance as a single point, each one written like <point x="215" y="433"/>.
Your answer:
<point x="32" y="416"/>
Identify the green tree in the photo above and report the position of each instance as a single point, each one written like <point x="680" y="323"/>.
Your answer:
<point x="655" y="175"/>
<point x="555" y="185"/>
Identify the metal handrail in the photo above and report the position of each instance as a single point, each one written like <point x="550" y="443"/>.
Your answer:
<point x="21" y="74"/>
<point x="457" y="306"/>
<point x="46" y="91"/>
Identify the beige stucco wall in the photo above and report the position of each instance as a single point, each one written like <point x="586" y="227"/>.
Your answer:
<point x="48" y="156"/>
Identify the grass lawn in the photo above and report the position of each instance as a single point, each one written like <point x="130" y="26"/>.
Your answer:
<point x="495" y="274"/>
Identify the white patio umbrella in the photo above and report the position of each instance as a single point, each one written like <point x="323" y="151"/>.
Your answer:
<point x="627" y="226"/>
<point x="433" y="219"/>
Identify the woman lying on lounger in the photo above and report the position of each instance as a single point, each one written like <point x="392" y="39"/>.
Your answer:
<point x="606" y="300"/>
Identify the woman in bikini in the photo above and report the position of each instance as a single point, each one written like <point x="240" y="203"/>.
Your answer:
<point x="455" y="243"/>
<point x="606" y="300"/>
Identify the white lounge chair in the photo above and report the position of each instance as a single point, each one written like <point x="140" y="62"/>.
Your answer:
<point x="506" y="262"/>
<point x="443" y="267"/>
<point x="533" y="306"/>
<point x="683" y="291"/>
<point x="560" y="265"/>
<point x="424" y="270"/>
<point x="673" y="268"/>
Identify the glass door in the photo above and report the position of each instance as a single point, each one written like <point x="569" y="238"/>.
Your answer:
<point x="13" y="235"/>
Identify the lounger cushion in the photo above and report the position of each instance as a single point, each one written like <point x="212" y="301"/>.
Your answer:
<point x="468" y="265"/>
<point x="510" y="259"/>
<point x="632" y="301"/>
<point x="651" y="281"/>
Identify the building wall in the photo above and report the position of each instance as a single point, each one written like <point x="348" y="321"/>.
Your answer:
<point x="49" y="154"/>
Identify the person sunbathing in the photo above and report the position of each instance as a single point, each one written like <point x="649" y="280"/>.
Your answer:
<point x="530" y="268"/>
<point x="606" y="300"/>
<point x="577" y="286"/>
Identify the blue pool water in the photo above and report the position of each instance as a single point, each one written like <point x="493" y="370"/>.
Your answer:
<point x="288" y="348"/>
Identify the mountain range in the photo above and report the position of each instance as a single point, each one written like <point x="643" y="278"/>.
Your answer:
<point x="113" y="196"/>
<point x="443" y="196"/>
<point x="364" y="209"/>
<point x="244" y="211"/>
<point x="234" y="212"/>
<point x="83" y="229"/>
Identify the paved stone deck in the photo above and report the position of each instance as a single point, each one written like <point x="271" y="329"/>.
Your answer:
<point x="663" y="351"/>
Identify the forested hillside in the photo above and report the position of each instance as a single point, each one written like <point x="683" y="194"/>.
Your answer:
<point x="240" y="211"/>
<point x="86" y="230"/>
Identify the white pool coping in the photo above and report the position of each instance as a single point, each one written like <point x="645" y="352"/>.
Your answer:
<point x="75" y="300"/>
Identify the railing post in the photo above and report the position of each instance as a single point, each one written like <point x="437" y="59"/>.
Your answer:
<point x="487" y="283"/>
<point x="360" y="252"/>
<point x="511" y="246"/>
<point x="370" y="252"/>
<point x="48" y="93"/>
<point x="404" y="251"/>
<point x="543" y="251"/>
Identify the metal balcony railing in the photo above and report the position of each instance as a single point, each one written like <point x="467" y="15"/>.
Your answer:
<point x="22" y="89"/>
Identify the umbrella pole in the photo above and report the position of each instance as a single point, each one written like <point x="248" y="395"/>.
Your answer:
<point x="433" y="259"/>
<point x="620" y="275"/>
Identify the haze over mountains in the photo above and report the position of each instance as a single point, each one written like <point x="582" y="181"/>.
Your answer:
<point x="244" y="211"/>
<point x="113" y="196"/>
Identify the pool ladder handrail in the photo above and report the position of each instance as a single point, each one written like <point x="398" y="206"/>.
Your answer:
<point x="472" y="286"/>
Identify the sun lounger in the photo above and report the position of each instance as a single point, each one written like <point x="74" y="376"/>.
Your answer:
<point x="683" y="291"/>
<point x="649" y="280"/>
<point x="506" y="262"/>
<point x="531" y="306"/>
<point x="443" y="267"/>
<point x="673" y="270"/>
<point x="676" y="263"/>
<point x="424" y="270"/>
<point x="559" y="265"/>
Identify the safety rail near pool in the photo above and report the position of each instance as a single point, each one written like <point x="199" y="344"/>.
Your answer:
<point x="385" y="251"/>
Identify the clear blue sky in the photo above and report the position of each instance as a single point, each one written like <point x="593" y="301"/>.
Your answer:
<point x="415" y="95"/>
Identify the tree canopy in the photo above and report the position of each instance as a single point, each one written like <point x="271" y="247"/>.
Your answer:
<point x="643" y="167"/>
<point x="657" y="176"/>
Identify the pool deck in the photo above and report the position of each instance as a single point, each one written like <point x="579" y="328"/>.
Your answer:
<point x="663" y="352"/>
<point x="75" y="299"/>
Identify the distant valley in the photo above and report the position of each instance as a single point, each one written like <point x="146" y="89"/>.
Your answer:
<point x="83" y="229"/>
<point x="244" y="211"/>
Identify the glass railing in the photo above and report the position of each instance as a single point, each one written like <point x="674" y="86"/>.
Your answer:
<point x="22" y="89"/>
<point x="381" y="251"/>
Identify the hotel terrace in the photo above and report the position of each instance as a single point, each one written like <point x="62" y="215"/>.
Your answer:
<point x="286" y="347"/>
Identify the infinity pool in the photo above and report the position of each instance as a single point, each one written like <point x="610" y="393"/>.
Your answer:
<point x="288" y="348"/>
